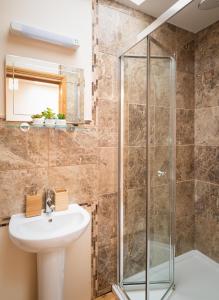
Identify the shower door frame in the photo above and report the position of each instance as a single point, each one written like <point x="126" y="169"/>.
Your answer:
<point x="118" y="287"/>
<point x="145" y="34"/>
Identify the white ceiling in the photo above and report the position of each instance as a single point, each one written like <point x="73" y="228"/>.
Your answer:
<point x="190" y="18"/>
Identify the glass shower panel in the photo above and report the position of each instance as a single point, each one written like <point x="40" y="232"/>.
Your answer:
<point x="161" y="167"/>
<point x="133" y="179"/>
<point x="146" y="172"/>
<point x="135" y="169"/>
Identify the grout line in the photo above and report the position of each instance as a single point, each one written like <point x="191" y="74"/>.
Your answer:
<point x="181" y="108"/>
<point x="212" y="146"/>
<point x="182" y="181"/>
<point x="207" y="107"/>
<point x="208" y="182"/>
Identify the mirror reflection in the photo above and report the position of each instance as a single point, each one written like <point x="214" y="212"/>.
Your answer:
<point x="34" y="86"/>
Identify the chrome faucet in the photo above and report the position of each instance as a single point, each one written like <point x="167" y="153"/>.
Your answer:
<point x="49" y="204"/>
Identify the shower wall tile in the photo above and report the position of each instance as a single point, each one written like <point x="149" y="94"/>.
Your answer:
<point x="185" y="126"/>
<point x="107" y="120"/>
<point x="162" y="124"/>
<point x="137" y="125"/>
<point x="185" y="199"/>
<point x="207" y="163"/>
<point x="135" y="210"/>
<point x="160" y="86"/>
<point x="206" y="200"/>
<point x="15" y="184"/>
<point x="185" y="234"/>
<point x="207" y="142"/>
<point x="185" y="90"/>
<point x="183" y="38"/>
<point x="184" y="163"/>
<point x="207" y="126"/>
<point x="159" y="208"/>
<point x="135" y="80"/>
<point x="207" y="219"/>
<point x="185" y="58"/>
<point x="159" y="161"/>
<point x="166" y="36"/>
<point x="134" y="258"/>
<point x="136" y="167"/>
<point x="207" y="67"/>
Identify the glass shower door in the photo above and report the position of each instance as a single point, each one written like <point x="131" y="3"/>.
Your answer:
<point x="161" y="168"/>
<point x="146" y="172"/>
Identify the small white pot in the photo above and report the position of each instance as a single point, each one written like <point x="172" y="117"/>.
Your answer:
<point x="50" y="122"/>
<point x="61" y="122"/>
<point x="38" y="121"/>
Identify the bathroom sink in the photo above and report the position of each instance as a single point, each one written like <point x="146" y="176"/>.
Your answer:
<point x="48" y="236"/>
<point x="44" y="233"/>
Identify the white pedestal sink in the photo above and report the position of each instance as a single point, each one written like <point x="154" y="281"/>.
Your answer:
<point x="48" y="237"/>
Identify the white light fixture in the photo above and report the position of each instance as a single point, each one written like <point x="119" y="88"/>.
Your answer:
<point x="43" y="35"/>
<point x="138" y="2"/>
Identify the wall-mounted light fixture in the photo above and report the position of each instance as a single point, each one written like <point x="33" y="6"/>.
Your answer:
<point x="138" y="2"/>
<point x="43" y="35"/>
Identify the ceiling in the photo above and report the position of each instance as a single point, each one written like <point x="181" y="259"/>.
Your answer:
<point x="190" y="18"/>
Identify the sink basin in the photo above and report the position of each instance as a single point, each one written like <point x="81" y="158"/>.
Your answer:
<point x="48" y="236"/>
<point x="43" y="233"/>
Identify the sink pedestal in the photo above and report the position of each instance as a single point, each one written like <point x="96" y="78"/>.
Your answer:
<point x="50" y="267"/>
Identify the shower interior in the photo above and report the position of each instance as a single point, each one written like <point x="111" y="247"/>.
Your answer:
<point x="147" y="169"/>
<point x="147" y="179"/>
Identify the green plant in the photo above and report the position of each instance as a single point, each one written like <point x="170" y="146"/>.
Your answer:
<point x="48" y="113"/>
<point x="61" y="116"/>
<point x="37" y="116"/>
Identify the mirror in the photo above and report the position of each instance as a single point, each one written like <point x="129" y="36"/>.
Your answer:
<point x="34" y="85"/>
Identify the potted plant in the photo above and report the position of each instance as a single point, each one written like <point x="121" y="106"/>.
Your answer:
<point x="50" y="117"/>
<point x="38" y="119"/>
<point x="61" y="121"/>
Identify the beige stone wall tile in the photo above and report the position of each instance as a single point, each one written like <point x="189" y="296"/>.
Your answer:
<point x="185" y="126"/>
<point x="184" y="163"/>
<point x="108" y="170"/>
<point x="15" y="184"/>
<point x="23" y="150"/>
<point x="79" y="180"/>
<point x="113" y="38"/>
<point x="185" y="90"/>
<point x="107" y="123"/>
<point x="73" y="148"/>
<point x="185" y="233"/>
<point x="207" y="126"/>
<point x="137" y="125"/>
<point x="107" y="218"/>
<point x="207" y="163"/>
<point x="106" y="262"/>
<point x="108" y="76"/>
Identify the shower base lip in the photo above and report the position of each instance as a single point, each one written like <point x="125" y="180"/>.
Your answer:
<point x="193" y="256"/>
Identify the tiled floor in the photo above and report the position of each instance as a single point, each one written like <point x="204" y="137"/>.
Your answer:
<point x="109" y="296"/>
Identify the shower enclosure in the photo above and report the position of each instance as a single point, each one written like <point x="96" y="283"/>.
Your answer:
<point x="147" y="172"/>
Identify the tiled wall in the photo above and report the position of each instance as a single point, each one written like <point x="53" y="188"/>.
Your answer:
<point x="111" y="38"/>
<point x="85" y="161"/>
<point x="207" y="141"/>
